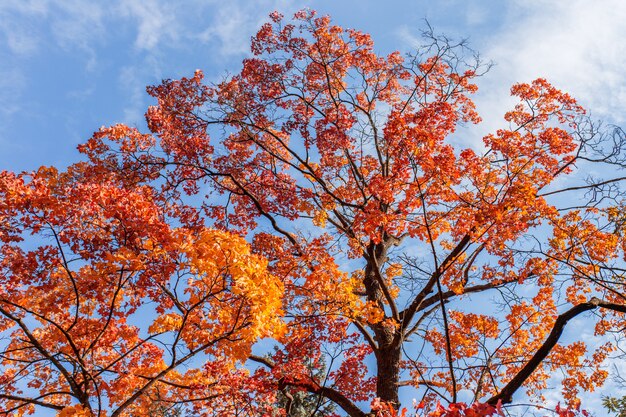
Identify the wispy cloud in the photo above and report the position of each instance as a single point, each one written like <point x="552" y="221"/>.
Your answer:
<point x="31" y="25"/>
<point x="16" y="25"/>
<point x="77" y="23"/>
<point x="156" y="21"/>
<point x="576" y="44"/>
<point x="234" y="22"/>
<point x="228" y="27"/>
<point x="222" y="29"/>
<point x="19" y="39"/>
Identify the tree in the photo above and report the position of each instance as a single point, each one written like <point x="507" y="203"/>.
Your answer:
<point x="315" y="198"/>
<point x="615" y="405"/>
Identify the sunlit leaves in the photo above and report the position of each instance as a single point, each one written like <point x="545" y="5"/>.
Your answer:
<point x="101" y="254"/>
<point x="316" y="197"/>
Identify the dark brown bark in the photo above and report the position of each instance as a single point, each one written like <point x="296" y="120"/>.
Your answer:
<point x="313" y="387"/>
<point x="506" y="394"/>
<point x="375" y="256"/>
<point x="388" y="375"/>
<point x="389" y="352"/>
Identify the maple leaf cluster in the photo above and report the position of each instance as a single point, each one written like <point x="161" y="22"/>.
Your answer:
<point x="317" y="199"/>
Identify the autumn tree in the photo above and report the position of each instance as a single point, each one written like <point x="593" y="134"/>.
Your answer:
<point x="319" y="197"/>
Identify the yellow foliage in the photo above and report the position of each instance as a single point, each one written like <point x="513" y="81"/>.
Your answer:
<point x="74" y="411"/>
<point x="166" y="323"/>
<point x="223" y="261"/>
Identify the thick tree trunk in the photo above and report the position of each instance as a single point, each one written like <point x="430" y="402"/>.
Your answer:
<point x="388" y="363"/>
<point x="389" y="351"/>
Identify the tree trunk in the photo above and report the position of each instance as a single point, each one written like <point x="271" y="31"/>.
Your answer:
<point x="388" y="363"/>
<point x="389" y="350"/>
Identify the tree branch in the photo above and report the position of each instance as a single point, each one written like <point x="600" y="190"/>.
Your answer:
<point x="582" y="187"/>
<point x="314" y="388"/>
<point x="506" y="394"/>
<point x="35" y="401"/>
<point x="408" y="314"/>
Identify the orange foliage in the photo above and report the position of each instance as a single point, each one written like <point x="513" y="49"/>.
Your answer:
<point x="316" y="199"/>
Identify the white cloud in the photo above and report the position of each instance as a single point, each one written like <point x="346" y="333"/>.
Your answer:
<point x="15" y="24"/>
<point x="234" y="23"/>
<point x="30" y="25"/>
<point x="577" y="45"/>
<point x="476" y="14"/>
<point x="156" y="21"/>
<point x="230" y="24"/>
<point x="229" y="27"/>
<point x="19" y="40"/>
<point x="78" y="23"/>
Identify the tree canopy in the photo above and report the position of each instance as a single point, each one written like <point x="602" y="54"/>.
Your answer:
<point x="311" y="231"/>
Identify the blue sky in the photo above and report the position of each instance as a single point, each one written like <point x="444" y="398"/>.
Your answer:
<point x="68" y="67"/>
